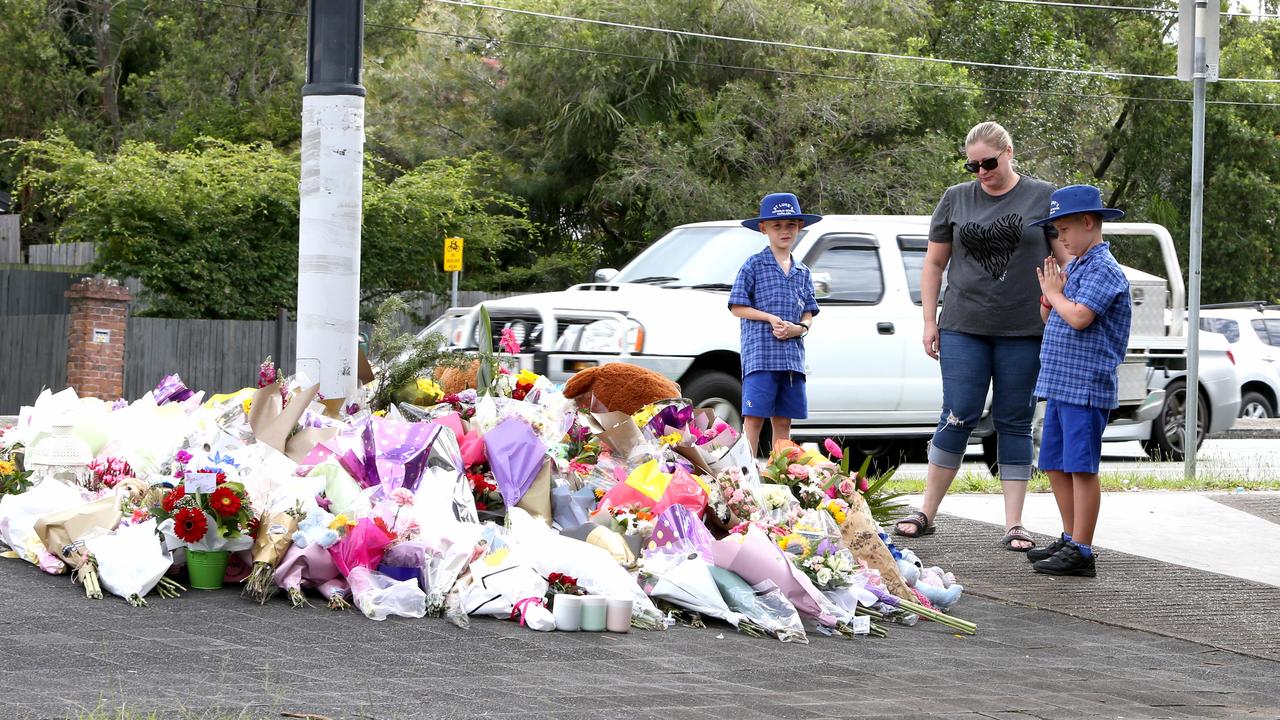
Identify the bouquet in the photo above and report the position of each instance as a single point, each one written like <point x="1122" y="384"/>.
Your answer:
<point x="108" y="471"/>
<point x="208" y="512"/>
<point x="275" y="535"/>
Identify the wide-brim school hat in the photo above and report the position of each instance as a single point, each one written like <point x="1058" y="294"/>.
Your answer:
<point x="1076" y="199"/>
<point x="780" y="206"/>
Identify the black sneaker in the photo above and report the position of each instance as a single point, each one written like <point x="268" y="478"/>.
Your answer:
<point x="1044" y="553"/>
<point x="1067" y="561"/>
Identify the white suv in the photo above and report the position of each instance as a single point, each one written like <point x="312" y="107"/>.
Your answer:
<point x="1253" y="330"/>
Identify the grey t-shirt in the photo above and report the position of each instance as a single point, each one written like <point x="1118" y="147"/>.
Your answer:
<point x="991" y="280"/>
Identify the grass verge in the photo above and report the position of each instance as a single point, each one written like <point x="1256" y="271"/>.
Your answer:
<point x="973" y="481"/>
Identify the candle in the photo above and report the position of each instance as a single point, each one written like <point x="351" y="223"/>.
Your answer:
<point x="618" y="615"/>
<point x="568" y="612"/>
<point x="593" y="613"/>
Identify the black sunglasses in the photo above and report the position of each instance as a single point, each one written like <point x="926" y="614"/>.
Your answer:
<point x="990" y="163"/>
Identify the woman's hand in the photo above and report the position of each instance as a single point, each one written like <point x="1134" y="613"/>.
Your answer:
<point x="931" y="339"/>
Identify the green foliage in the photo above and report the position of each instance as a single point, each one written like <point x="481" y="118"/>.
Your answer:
<point x="211" y="230"/>
<point x="401" y="358"/>
<point x="555" y="147"/>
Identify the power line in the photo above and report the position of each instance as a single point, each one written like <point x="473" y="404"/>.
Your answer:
<point x="843" y="51"/>
<point x="1126" y="8"/>
<point x="799" y="46"/>
<point x="750" y="68"/>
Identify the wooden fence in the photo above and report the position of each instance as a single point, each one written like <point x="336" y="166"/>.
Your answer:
<point x="212" y="355"/>
<point x="72" y="254"/>
<point x="33" y="356"/>
<point x="10" y="239"/>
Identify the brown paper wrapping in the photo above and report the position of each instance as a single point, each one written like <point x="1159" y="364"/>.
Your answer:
<point x="617" y="430"/>
<point x="617" y="546"/>
<point x="272" y="421"/>
<point x="862" y="536"/>
<point x="61" y="531"/>
<point x="537" y="500"/>
<point x="275" y="535"/>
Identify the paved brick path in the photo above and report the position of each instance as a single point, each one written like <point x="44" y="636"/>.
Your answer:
<point x="213" y="655"/>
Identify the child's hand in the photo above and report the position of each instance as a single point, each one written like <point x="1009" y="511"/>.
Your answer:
<point x="1052" y="279"/>
<point x="788" y="331"/>
<point x="779" y="326"/>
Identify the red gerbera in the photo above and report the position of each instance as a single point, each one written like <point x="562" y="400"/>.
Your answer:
<point x="190" y="525"/>
<point x="225" y="501"/>
<point x="172" y="497"/>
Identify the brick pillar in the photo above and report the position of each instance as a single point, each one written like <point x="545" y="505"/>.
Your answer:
<point x="95" y="342"/>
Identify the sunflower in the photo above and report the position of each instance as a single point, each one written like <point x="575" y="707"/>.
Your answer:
<point x="190" y="525"/>
<point x="796" y="544"/>
<point x="225" y="501"/>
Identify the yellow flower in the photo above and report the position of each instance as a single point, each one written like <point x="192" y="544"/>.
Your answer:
<point x="837" y="512"/>
<point x="527" y="377"/>
<point x="7" y="468"/>
<point x="428" y="387"/>
<point x="644" y="415"/>
<point x="796" y="545"/>
<point x="248" y="403"/>
<point x="340" y="522"/>
<point x="380" y="413"/>
<point x="672" y="438"/>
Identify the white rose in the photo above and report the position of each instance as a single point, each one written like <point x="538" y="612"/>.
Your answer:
<point x="824" y="576"/>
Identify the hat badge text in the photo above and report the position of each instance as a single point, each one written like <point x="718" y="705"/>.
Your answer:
<point x="783" y="209"/>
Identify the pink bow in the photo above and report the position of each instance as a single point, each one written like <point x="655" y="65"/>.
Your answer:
<point x="519" y="607"/>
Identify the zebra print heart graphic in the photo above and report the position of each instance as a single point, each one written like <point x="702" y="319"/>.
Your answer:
<point x="992" y="245"/>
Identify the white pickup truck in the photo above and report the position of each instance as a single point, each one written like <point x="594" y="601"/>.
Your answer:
<point x="869" y="380"/>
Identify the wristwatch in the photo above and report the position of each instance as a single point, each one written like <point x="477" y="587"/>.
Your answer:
<point x="806" y="328"/>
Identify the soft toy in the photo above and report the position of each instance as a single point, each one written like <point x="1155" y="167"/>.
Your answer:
<point x="938" y="587"/>
<point x="314" y="529"/>
<point x="454" y="380"/>
<point x="619" y="387"/>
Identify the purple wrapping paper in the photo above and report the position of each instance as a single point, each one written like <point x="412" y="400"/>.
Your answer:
<point x="171" y="389"/>
<point x="676" y="524"/>
<point x="411" y="554"/>
<point x="381" y="452"/>
<point x="671" y="418"/>
<point x="515" y="457"/>
<point x="311" y="566"/>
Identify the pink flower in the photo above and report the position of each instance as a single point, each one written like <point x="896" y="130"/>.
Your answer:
<point x="846" y="487"/>
<point x="508" y="341"/>
<point x="831" y="492"/>
<point x="797" y="470"/>
<point x="862" y="485"/>
<point x="401" y="497"/>
<point x="833" y="450"/>
<point x="411" y="529"/>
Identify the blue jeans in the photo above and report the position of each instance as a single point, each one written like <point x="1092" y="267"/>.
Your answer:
<point x="970" y="365"/>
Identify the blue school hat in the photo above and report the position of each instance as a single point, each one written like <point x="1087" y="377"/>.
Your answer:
<point x="780" y="206"/>
<point x="1076" y="199"/>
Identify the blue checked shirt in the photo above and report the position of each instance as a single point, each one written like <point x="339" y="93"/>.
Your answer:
<point x="761" y="284"/>
<point x="1079" y="366"/>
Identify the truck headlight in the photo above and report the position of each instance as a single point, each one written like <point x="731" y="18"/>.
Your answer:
<point x="609" y="337"/>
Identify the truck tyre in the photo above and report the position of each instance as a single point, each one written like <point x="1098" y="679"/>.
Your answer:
<point x="1255" y="405"/>
<point x="1168" y="430"/>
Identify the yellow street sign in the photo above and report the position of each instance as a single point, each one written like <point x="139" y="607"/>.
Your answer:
<point x="453" y="254"/>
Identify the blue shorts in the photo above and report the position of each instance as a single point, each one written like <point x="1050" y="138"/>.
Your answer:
<point x="775" y="393"/>
<point x="1072" y="437"/>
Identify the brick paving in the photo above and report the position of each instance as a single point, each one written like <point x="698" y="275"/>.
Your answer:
<point x="214" y="655"/>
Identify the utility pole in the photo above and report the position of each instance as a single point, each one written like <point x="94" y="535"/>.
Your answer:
<point x="1197" y="62"/>
<point x="329" y="211"/>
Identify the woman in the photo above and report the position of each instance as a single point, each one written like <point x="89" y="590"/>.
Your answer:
<point x="990" y="328"/>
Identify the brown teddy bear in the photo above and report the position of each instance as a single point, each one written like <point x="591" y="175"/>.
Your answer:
<point x="620" y="387"/>
<point x="454" y="380"/>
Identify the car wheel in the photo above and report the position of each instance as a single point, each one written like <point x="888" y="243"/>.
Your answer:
<point x="1168" y="430"/>
<point x="722" y="394"/>
<point x="1255" y="405"/>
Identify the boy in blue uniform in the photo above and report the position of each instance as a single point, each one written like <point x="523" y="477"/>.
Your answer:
<point x="1087" y="314"/>
<point x="773" y="295"/>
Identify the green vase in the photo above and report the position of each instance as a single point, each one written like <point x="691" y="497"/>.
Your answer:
<point x="206" y="568"/>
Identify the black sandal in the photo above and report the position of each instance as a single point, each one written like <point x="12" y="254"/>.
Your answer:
<point x="1017" y="532"/>
<point x="919" y="521"/>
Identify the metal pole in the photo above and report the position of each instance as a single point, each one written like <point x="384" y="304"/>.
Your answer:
<point x="453" y="299"/>
<point x="330" y="198"/>
<point x="1192" y="405"/>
